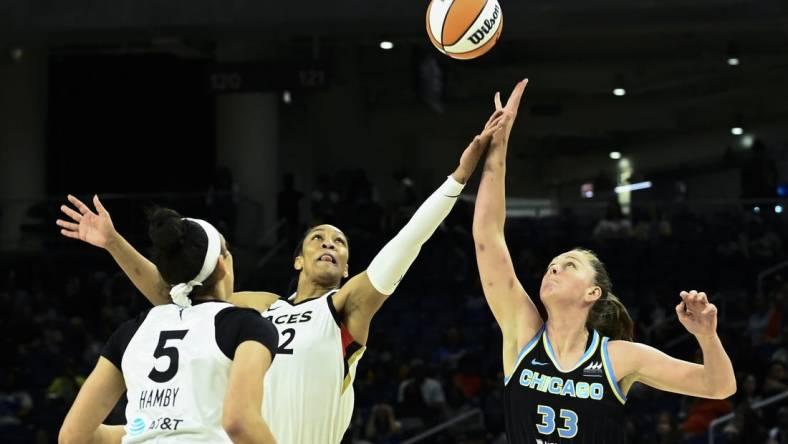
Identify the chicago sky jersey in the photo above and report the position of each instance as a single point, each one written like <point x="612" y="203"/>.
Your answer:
<point x="545" y="404"/>
<point x="309" y="389"/>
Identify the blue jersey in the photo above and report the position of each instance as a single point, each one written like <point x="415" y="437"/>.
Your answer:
<point x="545" y="404"/>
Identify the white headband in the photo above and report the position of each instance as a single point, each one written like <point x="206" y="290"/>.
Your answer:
<point x="180" y="292"/>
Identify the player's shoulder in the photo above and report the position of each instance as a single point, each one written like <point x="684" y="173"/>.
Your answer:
<point x="135" y="322"/>
<point x="258" y="300"/>
<point x="625" y="356"/>
<point x="238" y="314"/>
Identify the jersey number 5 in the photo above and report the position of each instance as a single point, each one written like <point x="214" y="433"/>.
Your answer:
<point x="547" y="425"/>
<point x="170" y="352"/>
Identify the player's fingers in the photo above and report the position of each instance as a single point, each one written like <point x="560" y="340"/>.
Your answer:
<point x="703" y="298"/>
<point x="710" y="309"/>
<point x="497" y="114"/>
<point x="496" y="123"/>
<point x="517" y="94"/>
<point x="67" y="225"/>
<point x="71" y="213"/>
<point x="497" y="99"/>
<point x="71" y="234"/>
<point x="99" y="207"/>
<point x="78" y="203"/>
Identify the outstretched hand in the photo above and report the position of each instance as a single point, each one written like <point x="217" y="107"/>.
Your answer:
<point x="85" y="225"/>
<point x="470" y="157"/>
<point x="509" y="111"/>
<point x="696" y="314"/>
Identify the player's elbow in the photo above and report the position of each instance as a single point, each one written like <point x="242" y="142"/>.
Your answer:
<point x="238" y="425"/>
<point x="726" y="391"/>
<point x="69" y="435"/>
<point x="235" y="426"/>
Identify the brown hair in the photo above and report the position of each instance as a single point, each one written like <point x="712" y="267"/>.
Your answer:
<point x="608" y="315"/>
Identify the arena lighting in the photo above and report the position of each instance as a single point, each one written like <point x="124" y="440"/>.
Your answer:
<point x="287" y="97"/>
<point x="747" y="140"/>
<point x="385" y="44"/>
<point x="733" y="61"/>
<point x="737" y="131"/>
<point x="615" y="155"/>
<point x="633" y="187"/>
<point x="16" y="53"/>
<point x="619" y="92"/>
<point x="778" y="209"/>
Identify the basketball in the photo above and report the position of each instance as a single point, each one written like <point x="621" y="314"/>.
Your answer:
<point x="464" y="29"/>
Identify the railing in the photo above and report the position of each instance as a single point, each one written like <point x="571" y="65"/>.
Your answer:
<point x="441" y="427"/>
<point x="756" y="406"/>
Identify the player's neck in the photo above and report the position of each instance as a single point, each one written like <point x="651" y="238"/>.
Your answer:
<point x="308" y="289"/>
<point x="567" y="332"/>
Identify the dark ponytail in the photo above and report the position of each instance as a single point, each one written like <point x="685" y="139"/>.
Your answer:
<point x="179" y="248"/>
<point x="608" y="315"/>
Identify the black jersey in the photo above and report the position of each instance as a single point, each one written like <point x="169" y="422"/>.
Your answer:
<point x="545" y="404"/>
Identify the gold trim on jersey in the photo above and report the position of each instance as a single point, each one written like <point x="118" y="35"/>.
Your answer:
<point x="349" y="377"/>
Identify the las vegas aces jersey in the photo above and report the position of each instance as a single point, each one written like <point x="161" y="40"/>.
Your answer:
<point x="545" y="404"/>
<point x="309" y="389"/>
<point x="176" y="365"/>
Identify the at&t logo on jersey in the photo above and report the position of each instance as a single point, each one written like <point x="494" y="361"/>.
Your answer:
<point x="136" y="427"/>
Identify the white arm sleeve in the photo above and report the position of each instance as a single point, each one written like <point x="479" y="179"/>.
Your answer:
<point x="389" y="266"/>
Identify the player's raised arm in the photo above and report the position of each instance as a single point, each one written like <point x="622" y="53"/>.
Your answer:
<point x="714" y="378"/>
<point x="96" y="228"/>
<point x="363" y="295"/>
<point x="512" y="307"/>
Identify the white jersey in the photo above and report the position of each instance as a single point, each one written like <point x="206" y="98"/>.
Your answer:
<point x="176" y="377"/>
<point x="309" y="388"/>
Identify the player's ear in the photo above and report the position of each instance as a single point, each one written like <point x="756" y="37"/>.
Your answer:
<point x="298" y="263"/>
<point x="221" y="269"/>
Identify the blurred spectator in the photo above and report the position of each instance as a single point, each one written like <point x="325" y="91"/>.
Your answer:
<point x="451" y="349"/>
<point x="779" y="433"/>
<point x="16" y="404"/>
<point x="287" y="209"/>
<point x="776" y="379"/>
<point x="614" y="225"/>
<point x="324" y="201"/>
<point x="382" y="426"/>
<point x="666" y="430"/>
<point x="422" y="396"/>
<point x="222" y="201"/>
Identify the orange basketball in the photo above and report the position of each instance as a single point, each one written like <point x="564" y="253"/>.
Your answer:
<point x="464" y="29"/>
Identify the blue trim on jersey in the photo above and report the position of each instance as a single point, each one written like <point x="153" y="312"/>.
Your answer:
<point x="523" y="352"/>
<point x="590" y="351"/>
<point x="611" y="376"/>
